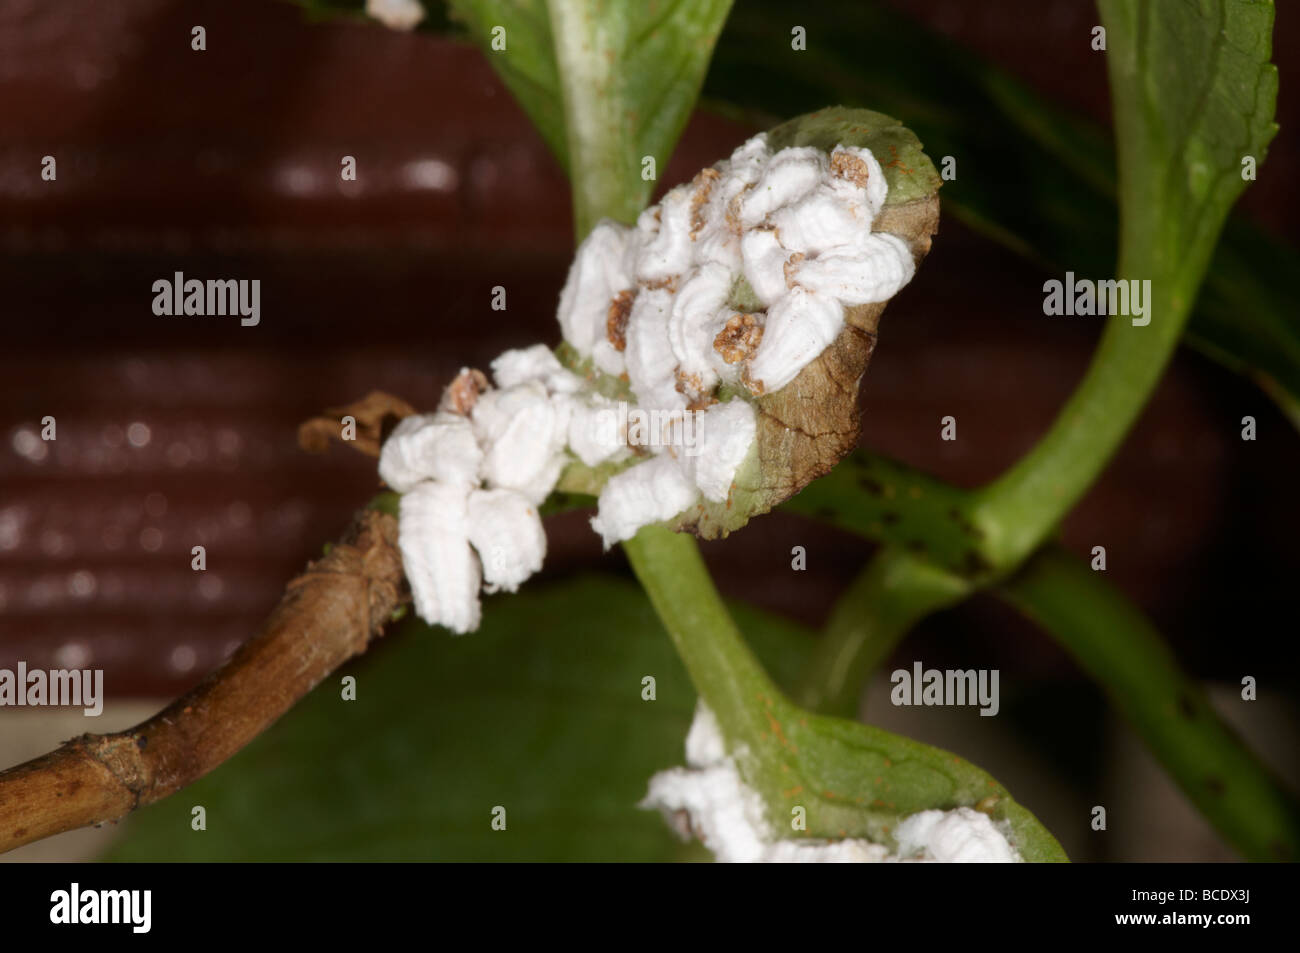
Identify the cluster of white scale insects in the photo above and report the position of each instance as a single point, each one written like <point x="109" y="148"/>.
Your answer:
<point x="654" y="306"/>
<point x="787" y="233"/>
<point x="709" y="800"/>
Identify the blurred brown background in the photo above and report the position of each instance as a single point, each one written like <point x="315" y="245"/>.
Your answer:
<point x="174" y="432"/>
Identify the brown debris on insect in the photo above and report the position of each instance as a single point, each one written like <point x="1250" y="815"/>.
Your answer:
<point x="463" y="392"/>
<point x="703" y="183"/>
<point x="850" y="167"/>
<point x="739" y="338"/>
<point x="620" y="307"/>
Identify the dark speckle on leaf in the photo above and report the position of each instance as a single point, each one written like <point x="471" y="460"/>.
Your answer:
<point x="965" y="525"/>
<point x="974" y="563"/>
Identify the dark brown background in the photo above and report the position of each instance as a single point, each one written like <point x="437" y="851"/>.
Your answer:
<point x="225" y="164"/>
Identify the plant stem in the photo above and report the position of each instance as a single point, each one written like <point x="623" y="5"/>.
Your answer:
<point x="891" y="595"/>
<point x="605" y="182"/>
<point x="1022" y="507"/>
<point x="893" y="503"/>
<point x="1118" y="647"/>
<point x="1173" y="202"/>
<point x="723" y="669"/>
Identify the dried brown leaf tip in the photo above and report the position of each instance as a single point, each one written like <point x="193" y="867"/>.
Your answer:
<point x="375" y="415"/>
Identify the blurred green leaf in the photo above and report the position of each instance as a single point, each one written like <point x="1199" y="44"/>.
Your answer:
<point x="1192" y="92"/>
<point x="526" y="65"/>
<point x="608" y="85"/>
<point x="540" y="711"/>
<point x="1246" y="318"/>
<point x="1117" y="646"/>
<point x="1182" y="142"/>
<point x="1029" y="175"/>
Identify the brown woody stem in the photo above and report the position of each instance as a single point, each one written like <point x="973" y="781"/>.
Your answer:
<point x="328" y="615"/>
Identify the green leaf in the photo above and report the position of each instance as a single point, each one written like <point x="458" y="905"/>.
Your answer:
<point x="1029" y="175"/>
<point x="856" y="780"/>
<point x="608" y="85"/>
<point x="853" y="780"/>
<point x="630" y="74"/>
<point x="526" y="65"/>
<point x="1246" y="318"/>
<point x="540" y="711"/>
<point x="889" y="502"/>
<point x="1193" y="92"/>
